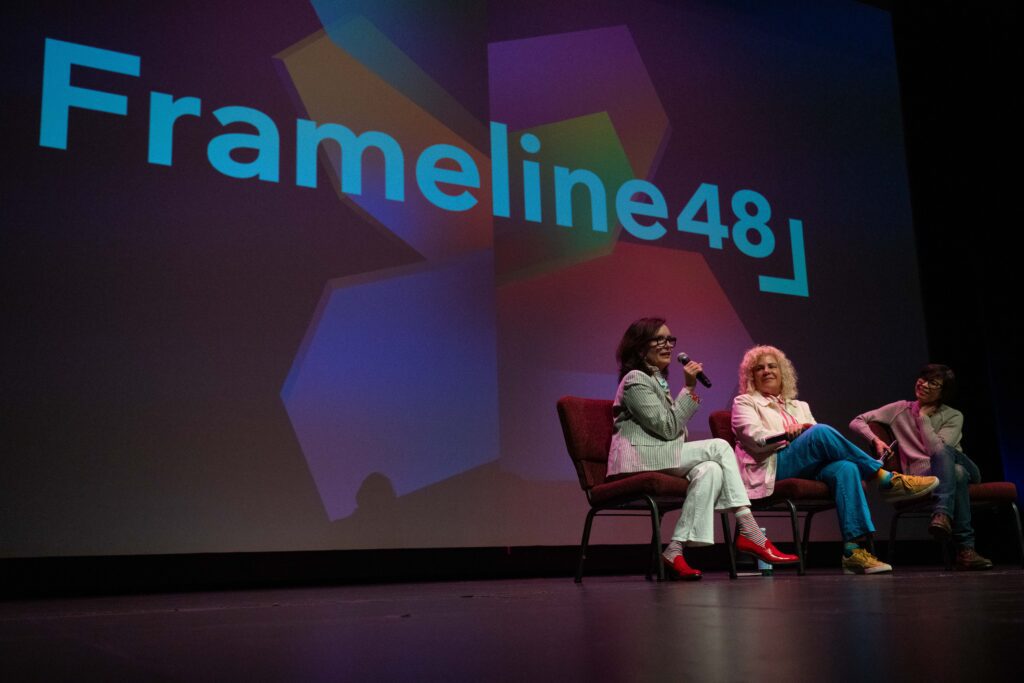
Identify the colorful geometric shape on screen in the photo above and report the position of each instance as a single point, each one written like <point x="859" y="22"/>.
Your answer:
<point x="335" y="87"/>
<point x="588" y="142"/>
<point x="567" y="324"/>
<point x="538" y="81"/>
<point x="397" y="376"/>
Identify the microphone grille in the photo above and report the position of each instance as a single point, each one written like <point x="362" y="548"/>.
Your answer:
<point x="683" y="358"/>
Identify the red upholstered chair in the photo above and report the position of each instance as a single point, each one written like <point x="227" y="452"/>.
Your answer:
<point x="989" y="494"/>
<point x="791" y="497"/>
<point x="587" y="426"/>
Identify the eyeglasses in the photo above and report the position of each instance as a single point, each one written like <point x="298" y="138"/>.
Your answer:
<point x="664" y="341"/>
<point x="931" y="383"/>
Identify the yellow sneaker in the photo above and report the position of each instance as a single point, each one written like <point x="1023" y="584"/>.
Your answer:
<point x="863" y="562"/>
<point x="908" y="487"/>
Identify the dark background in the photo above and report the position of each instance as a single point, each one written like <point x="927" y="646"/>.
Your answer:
<point x="956" y="63"/>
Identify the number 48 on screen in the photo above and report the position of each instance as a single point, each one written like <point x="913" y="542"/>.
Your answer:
<point x="752" y="213"/>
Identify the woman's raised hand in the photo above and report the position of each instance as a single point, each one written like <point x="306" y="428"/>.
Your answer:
<point x="691" y="370"/>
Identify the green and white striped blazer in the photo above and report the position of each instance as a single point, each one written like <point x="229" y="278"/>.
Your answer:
<point x="649" y="425"/>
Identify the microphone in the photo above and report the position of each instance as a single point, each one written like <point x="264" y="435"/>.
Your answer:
<point x="684" y="359"/>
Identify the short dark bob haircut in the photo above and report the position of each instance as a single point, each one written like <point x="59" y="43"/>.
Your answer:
<point x="634" y="345"/>
<point x="945" y="375"/>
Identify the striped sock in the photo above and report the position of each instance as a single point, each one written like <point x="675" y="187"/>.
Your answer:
<point x="673" y="550"/>
<point x="748" y="527"/>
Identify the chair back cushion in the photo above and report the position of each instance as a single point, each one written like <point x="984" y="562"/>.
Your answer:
<point x="587" y="424"/>
<point x="993" y="492"/>
<point x="720" y="422"/>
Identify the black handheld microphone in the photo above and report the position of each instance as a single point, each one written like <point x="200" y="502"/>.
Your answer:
<point x="684" y="359"/>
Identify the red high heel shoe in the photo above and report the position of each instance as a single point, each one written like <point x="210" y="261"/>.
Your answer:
<point x="682" y="570"/>
<point x="769" y="553"/>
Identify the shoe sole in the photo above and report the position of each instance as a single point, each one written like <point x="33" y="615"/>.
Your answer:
<point x="900" y="497"/>
<point x="672" y="575"/>
<point x="873" y="570"/>
<point x="861" y="570"/>
<point x="976" y="568"/>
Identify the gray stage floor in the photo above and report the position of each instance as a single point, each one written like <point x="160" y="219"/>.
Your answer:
<point x="925" y="625"/>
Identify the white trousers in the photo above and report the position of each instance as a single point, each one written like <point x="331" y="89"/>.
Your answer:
<point x="715" y="485"/>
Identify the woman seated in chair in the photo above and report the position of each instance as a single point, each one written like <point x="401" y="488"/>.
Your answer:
<point x="650" y="435"/>
<point x="767" y="408"/>
<point x="928" y="434"/>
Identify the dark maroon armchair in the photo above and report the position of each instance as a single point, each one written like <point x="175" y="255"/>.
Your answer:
<point x="587" y="427"/>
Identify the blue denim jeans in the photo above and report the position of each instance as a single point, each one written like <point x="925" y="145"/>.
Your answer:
<point x="824" y="454"/>
<point x="955" y="471"/>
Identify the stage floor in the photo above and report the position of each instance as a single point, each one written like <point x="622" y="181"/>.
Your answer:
<point x="921" y="624"/>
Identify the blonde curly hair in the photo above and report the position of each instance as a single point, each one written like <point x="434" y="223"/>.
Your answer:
<point x="750" y="359"/>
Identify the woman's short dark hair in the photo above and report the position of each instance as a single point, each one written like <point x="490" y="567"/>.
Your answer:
<point x="942" y="373"/>
<point x="634" y="345"/>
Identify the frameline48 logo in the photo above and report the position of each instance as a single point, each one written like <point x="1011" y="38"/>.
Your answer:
<point x="447" y="176"/>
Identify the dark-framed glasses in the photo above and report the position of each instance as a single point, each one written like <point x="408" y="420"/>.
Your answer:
<point x="662" y="340"/>
<point x="931" y="383"/>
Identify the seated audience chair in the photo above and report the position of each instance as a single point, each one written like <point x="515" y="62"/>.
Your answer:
<point x="791" y="497"/>
<point x="989" y="494"/>
<point x="587" y="425"/>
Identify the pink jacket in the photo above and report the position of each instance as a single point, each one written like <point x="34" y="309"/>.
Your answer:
<point x="755" y="417"/>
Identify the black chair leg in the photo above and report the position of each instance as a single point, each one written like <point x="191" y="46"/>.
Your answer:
<point x="807" y="531"/>
<point x="727" y="537"/>
<point x="892" y="538"/>
<point x="651" y="569"/>
<point x="656" y="535"/>
<point x="656" y="551"/>
<point x="583" y="544"/>
<point x="794" y="522"/>
<point x="1020" y="535"/>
